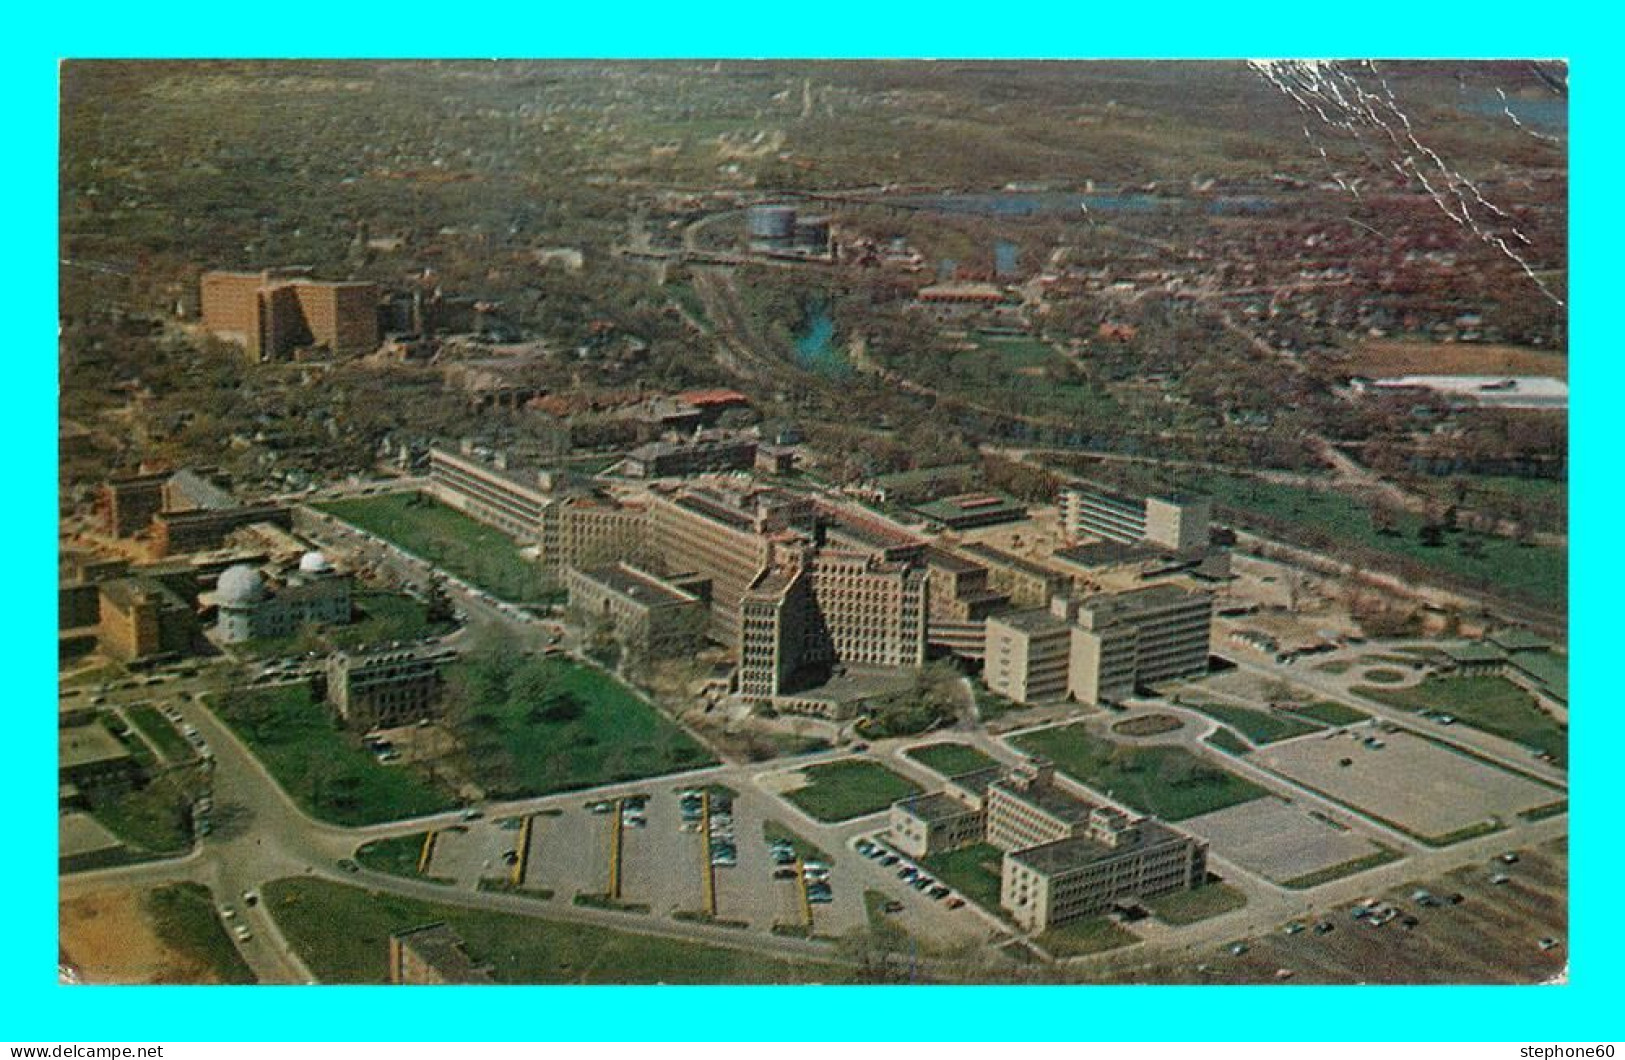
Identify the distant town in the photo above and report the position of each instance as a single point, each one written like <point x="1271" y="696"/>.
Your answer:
<point x="635" y="533"/>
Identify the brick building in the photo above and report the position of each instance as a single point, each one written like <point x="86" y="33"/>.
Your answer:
<point x="274" y="312"/>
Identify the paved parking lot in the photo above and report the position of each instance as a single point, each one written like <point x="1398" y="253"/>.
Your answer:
<point x="569" y="854"/>
<point x="466" y="853"/>
<point x="1422" y="787"/>
<point x="1277" y="839"/>
<point x="661" y="865"/>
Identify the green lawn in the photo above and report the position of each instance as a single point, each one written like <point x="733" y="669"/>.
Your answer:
<point x="577" y="727"/>
<point x="1493" y="704"/>
<point x="473" y="551"/>
<point x="342" y="932"/>
<point x="397" y="855"/>
<point x="853" y="787"/>
<point x="1259" y="726"/>
<point x="950" y="759"/>
<point x="320" y="764"/>
<point x="1079" y="938"/>
<point x="157" y="728"/>
<point x="184" y="916"/>
<point x="972" y="871"/>
<point x="1538" y="574"/>
<point x="1187" y="907"/>
<point x="1333" y="713"/>
<point x="1385" y="675"/>
<point x="1381" y="856"/>
<point x="1227" y="741"/>
<point x="151" y="819"/>
<point x="1169" y="782"/>
<point x="772" y="831"/>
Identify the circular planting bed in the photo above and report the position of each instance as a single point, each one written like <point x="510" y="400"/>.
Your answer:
<point x="1148" y="725"/>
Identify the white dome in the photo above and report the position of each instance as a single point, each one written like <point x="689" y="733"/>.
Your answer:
<point x="314" y="563"/>
<point x="241" y="584"/>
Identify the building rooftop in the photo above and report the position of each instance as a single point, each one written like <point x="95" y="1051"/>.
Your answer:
<point x="1037" y="620"/>
<point x="199" y="492"/>
<point x="945" y="560"/>
<point x="1519" y="640"/>
<point x="1472" y="652"/>
<point x="934" y="807"/>
<point x="639" y="585"/>
<point x="977" y="780"/>
<point x="83" y="745"/>
<point x="999" y="558"/>
<point x="1055" y="801"/>
<point x="980" y="507"/>
<point x="1105" y="554"/>
<point x="1080" y="851"/>
<point x="442" y="949"/>
<point x="715" y="508"/>
<point x="1108" y="607"/>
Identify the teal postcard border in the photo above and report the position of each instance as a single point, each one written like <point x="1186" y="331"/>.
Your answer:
<point x="34" y="1007"/>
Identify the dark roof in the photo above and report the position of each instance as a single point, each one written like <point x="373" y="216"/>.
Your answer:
<point x="1080" y="851"/>
<point x="442" y="949"/>
<point x="934" y="807"/>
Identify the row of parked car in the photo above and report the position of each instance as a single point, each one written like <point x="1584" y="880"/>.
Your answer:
<point x="909" y="873"/>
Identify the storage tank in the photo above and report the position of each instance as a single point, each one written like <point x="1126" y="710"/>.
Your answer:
<point x="771" y="223"/>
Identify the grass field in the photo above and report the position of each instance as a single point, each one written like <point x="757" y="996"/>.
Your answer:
<point x="1227" y="741"/>
<point x="446" y="537"/>
<point x="151" y="818"/>
<point x="853" y="787"/>
<point x="322" y="766"/>
<point x="1259" y="726"/>
<point x="1093" y="934"/>
<point x="1538" y="574"/>
<point x="342" y="933"/>
<point x="184" y="917"/>
<point x="1169" y="782"/>
<point x="1385" y="357"/>
<point x="1384" y="675"/>
<point x="1187" y="907"/>
<point x="973" y="872"/>
<point x="1381" y="856"/>
<point x="604" y="733"/>
<point x="397" y="855"/>
<point x="950" y="759"/>
<point x="1148" y="725"/>
<point x="171" y="744"/>
<point x="1333" y="713"/>
<point x="1493" y="704"/>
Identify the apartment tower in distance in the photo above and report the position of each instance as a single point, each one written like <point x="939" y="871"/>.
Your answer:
<point x="274" y="312"/>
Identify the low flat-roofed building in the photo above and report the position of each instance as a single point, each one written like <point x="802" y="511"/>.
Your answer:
<point x="1114" y="856"/>
<point x="94" y="761"/>
<point x="434" y="955"/>
<point x="1473" y="659"/>
<point x="935" y="823"/>
<point x="967" y="511"/>
<point x="706" y="451"/>
<point x="652" y="616"/>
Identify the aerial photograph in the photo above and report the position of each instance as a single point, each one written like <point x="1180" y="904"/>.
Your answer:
<point x="813" y="522"/>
